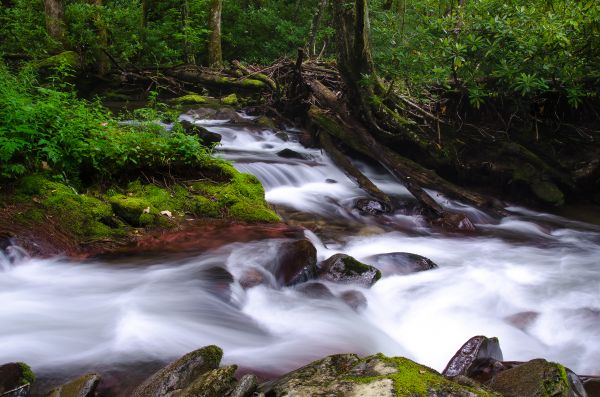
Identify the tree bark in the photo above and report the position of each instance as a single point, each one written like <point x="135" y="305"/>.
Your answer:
<point x="314" y="28"/>
<point x="55" y="24"/>
<point x="215" y="55"/>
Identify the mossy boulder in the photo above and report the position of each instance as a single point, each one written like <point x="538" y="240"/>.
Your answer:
<point x="190" y="99"/>
<point x="69" y="59"/>
<point x="181" y="373"/>
<point x="537" y="378"/>
<point x="216" y="383"/>
<point x="400" y="263"/>
<point x="548" y="193"/>
<point x="15" y="376"/>
<point x="132" y="209"/>
<point x="84" y="386"/>
<point x="230" y="100"/>
<point x="341" y="268"/>
<point x="378" y="375"/>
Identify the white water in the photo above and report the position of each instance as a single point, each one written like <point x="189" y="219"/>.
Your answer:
<point x="541" y="268"/>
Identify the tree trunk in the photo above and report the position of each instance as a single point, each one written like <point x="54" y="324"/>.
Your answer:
<point x="215" y="56"/>
<point x="55" y="24"/>
<point x="190" y="57"/>
<point x="314" y="28"/>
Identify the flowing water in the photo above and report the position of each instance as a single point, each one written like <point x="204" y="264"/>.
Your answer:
<point x="531" y="279"/>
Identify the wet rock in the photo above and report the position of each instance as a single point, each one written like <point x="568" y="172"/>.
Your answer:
<point x="292" y="154"/>
<point x="355" y="299"/>
<point x="215" y="383"/>
<point x="251" y="278"/>
<point x="522" y="320"/>
<point x="181" y="373"/>
<point x="283" y="136"/>
<point x="345" y="269"/>
<point x="400" y="263"/>
<point x="296" y="263"/>
<point x="202" y="113"/>
<point x="484" y="369"/>
<point x="349" y="375"/>
<point x="245" y="387"/>
<point x="369" y="206"/>
<point x="84" y="386"/>
<point x="592" y="387"/>
<point x="15" y="379"/>
<point x="265" y="122"/>
<point x="476" y="348"/>
<point x="536" y="378"/>
<point x="315" y="290"/>
<point x="331" y="181"/>
<point x="455" y="222"/>
<point x="5" y="241"/>
<point x="207" y="137"/>
<point x="220" y="281"/>
<point x="229" y="114"/>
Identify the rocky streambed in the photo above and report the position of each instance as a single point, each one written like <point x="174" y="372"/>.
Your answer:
<point x="373" y="293"/>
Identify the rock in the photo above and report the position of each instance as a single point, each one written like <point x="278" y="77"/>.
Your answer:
<point x="331" y="181"/>
<point x="476" y="348"/>
<point x="522" y="320"/>
<point x="220" y="281"/>
<point x="207" y="137"/>
<point x="84" y="386"/>
<point x="245" y="387"/>
<point x="296" y="263"/>
<point x="266" y="122"/>
<point x="548" y="192"/>
<point x="373" y="376"/>
<point x="283" y="136"/>
<point x="592" y="387"/>
<point x="251" y="278"/>
<point x="315" y="290"/>
<point x="5" y="241"/>
<point x="484" y="369"/>
<point x="229" y="114"/>
<point x="69" y="59"/>
<point x="292" y="154"/>
<point x="215" y="383"/>
<point x="400" y="263"/>
<point x="355" y="299"/>
<point x="202" y="113"/>
<point x="536" y="378"/>
<point x="455" y="222"/>
<point x="190" y="99"/>
<point x="15" y="378"/>
<point x="130" y="209"/>
<point x="181" y="373"/>
<point x="345" y="269"/>
<point x="369" y="206"/>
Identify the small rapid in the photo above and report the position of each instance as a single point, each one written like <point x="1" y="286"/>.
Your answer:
<point x="531" y="279"/>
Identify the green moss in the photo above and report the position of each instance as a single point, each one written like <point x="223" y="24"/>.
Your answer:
<point x="354" y="267"/>
<point x="130" y="208"/>
<point x="412" y="379"/>
<point x="206" y="207"/>
<point x="66" y="58"/>
<point x="190" y="99"/>
<point x="548" y="192"/>
<point x="27" y="375"/>
<point x="212" y="355"/>
<point x="230" y="100"/>
<point x="244" y="83"/>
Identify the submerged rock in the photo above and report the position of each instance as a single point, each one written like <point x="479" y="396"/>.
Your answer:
<point x="475" y="349"/>
<point x="401" y="263"/>
<point x="373" y="376"/>
<point x="84" y="386"/>
<point x="15" y="379"/>
<point x="537" y="378"/>
<point x="369" y="206"/>
<point x="252" y="277"/>
<point x="292" y="154"/>
<point x="181" y="373"/>
<point x="315" y="290"/>
<point x="215" y="383"/>
<point x="345" y="269"/>
<point x="355" y="299"/>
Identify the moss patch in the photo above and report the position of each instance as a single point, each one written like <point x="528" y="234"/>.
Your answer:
<point x="190" y="99"/>
<point x="230" y="100"/>
<point x="66" y="58"/>
<point x="354" y="267"/>
<point x="27" y="375"/>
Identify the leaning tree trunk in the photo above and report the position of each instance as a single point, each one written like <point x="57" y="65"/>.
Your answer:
<point x="55" y="25"/>
<point x="215" y="56"/>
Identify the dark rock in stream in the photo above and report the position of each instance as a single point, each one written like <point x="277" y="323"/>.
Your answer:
<point x="373" y="376"/>
<point x="400" y="263"/>
<point x="84" y="386"/>
<point x="296" y="263"/>
<point x="15" y="379"/>
<point x="252" y="277"/>
<point x="455" y="222"/>
<point x="369" y="206"/>
<point x="355" y="299"/>
<point x="224" y="113"/>
<point x="181" y="373"/>
<point x="207" y="137"/>
<point x="345" y="269"/>
<point x="538" y="378"/>
<point x="475" y="349"/>
<point x="315" y="290"/>
<point x="292" y="154"/>
<point x="219" y="281"/>
<point x="5" y="241"/>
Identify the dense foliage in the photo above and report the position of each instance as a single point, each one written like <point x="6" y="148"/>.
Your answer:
<point x="50" y="128"/>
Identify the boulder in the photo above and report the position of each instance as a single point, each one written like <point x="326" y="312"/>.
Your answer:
<point x="283" y="136"/>
<point x="400" y="263"/>
<point x="220" y="281"/>
<point x="245" y="387"/>
<point x="369" y="206"/>
<point x="190" y="99"/>
<point x="180" y="374"/>
<point x="215" y="383"/>
<point x="207" y="137"/>
<point x="292" y="154"/>
<point x="475" y="349"/>
<point x="251" y="278"/>
<point x="355" y="299"/>
<point x="296" y="263"/>
<point x="454" y="222"/>
<point x="381" y="376"/>
<point x="345" y="269"/>
<point x="15" y="379"/>
<point x="537" y="378"/>
<point x="224" y="113"/>
<point x="315" y="290"/>
<point x="84" y="386"/>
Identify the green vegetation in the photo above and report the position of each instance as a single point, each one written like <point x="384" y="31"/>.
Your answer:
<point x="27" y="375"/>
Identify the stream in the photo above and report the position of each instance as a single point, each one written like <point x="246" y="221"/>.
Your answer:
<point x="531" y="279"/>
